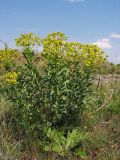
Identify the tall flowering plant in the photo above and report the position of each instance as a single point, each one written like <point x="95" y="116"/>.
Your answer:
<point x="49" y="87"/>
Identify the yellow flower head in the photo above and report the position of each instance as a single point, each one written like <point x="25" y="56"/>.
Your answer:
<point x="7" y="56"/>
<point x="28" y="40"/>
<point x="11" y="77"/>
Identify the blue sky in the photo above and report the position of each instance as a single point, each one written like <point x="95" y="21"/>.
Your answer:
<point x="86" y="21"/>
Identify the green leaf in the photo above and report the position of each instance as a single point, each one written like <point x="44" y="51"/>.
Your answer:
<point x="80" y="153"/>
<point x="74" y="138"/>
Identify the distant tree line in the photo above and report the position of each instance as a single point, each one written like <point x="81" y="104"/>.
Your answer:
<point x="109" y="68"/>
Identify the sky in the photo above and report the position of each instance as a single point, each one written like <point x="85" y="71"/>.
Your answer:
<point x="85" y="21"/>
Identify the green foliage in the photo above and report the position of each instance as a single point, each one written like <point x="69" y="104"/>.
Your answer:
<point x="100" y="142"/>
<point x="61" y="144"/>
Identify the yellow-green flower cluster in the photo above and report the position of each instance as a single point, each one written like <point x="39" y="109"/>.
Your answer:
<point x="54" y="42"/>
<point x="92" y="56"/>
<point x="11" y="77"/>
<point x="87" y="55"/>
<point x="28" y="40"/>
<point x="72" y="51"/>
<point x="57" y="36"/>
<point x="7" y="55"/>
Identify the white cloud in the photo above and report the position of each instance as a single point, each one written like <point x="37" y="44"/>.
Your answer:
<point x="76" y="1"/>
<point x="115" y="35"/>
<point x="103" y="43"/>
